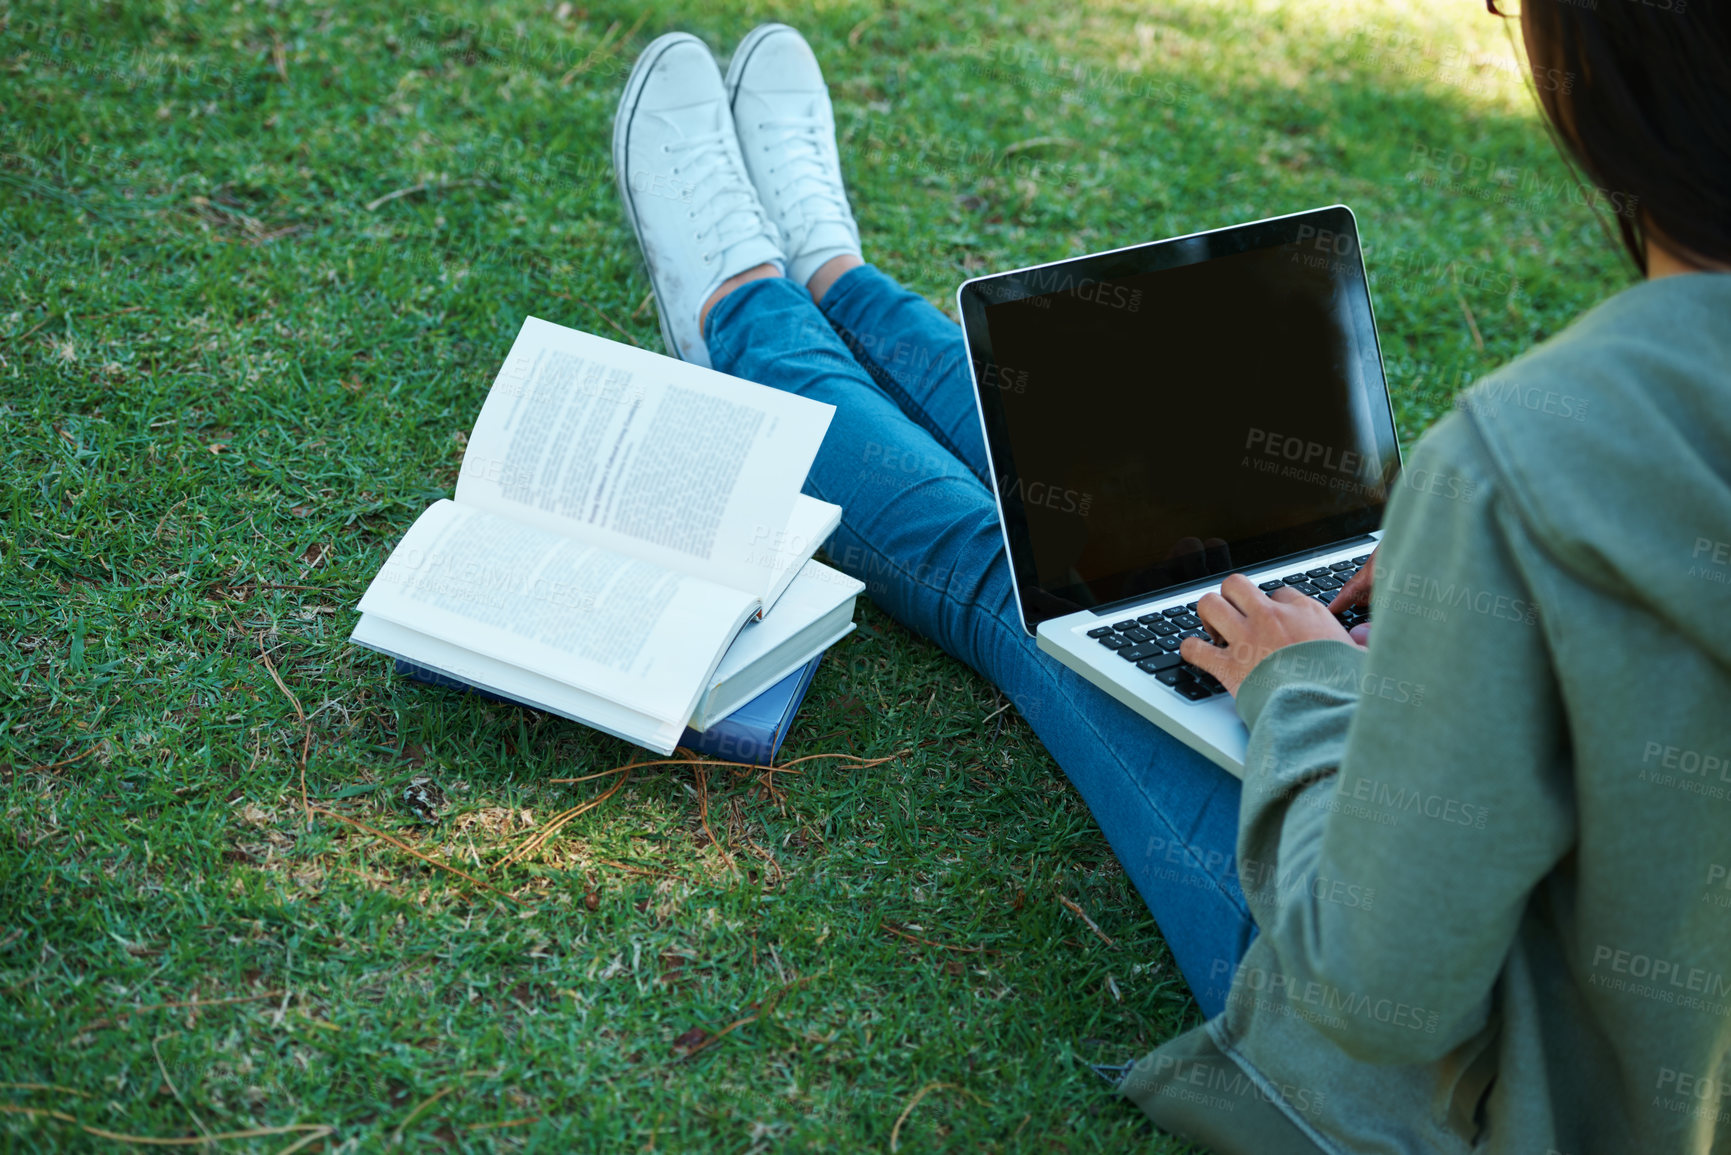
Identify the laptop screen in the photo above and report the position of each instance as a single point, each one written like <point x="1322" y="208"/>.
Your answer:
<point x="1183" y="410"/>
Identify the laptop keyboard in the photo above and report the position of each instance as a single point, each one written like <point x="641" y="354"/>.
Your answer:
<point x="1152" y="640"/>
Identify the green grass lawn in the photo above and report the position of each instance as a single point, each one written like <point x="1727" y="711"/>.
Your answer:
<point x="234" y="367"/>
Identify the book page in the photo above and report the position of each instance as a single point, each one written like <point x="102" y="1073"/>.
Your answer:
<point x="814" y="592"/>
<point x="808" y="527"/>
<point x="641" y="453"/>
<point x="814" y="614"/>
<point x="518" y="684"/>
<point x="627" y="629"/>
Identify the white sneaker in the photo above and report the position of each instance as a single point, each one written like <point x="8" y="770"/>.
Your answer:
<point x="685" y="187"/>
<point x="786" y="128"/>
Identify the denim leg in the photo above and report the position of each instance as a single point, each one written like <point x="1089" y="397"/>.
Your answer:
<point x="914" y="354"/>
<point x="921" y="530"/>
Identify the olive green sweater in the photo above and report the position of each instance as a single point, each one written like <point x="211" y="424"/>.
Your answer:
<point x="1490" y="857"/>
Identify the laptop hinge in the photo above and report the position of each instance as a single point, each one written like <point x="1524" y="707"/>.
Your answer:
<point x="1206" y="583"/>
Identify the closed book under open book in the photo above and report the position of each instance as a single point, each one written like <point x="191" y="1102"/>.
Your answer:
<point x="752" y="733"/>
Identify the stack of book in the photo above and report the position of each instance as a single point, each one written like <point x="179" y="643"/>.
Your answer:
<point x="628" y="547"/>
<point x="752" y="733"/>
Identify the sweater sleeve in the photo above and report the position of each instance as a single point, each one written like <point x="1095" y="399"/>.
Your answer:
<point x="1401" y="804"/>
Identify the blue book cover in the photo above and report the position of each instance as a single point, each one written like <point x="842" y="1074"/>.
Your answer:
<point x="753" y="733"/>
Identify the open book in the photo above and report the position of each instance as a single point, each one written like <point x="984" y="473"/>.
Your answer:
<point x="619" y="517"/>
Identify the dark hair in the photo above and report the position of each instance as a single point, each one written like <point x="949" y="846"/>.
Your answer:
<point x="1644" y="105"/>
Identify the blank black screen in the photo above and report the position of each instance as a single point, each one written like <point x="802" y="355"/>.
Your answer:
<point x="1171" y="425"/>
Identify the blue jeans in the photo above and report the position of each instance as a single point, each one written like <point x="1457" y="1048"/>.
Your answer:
<point x="905" y="460"/>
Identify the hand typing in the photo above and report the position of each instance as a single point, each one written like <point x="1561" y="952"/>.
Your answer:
<point x="1251" y="625"/>
<point x="1356" y="592"/>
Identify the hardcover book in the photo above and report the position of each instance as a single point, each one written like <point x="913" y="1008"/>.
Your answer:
<point x="752" y="733"/>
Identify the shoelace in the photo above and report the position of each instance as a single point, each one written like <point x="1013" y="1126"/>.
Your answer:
<point x="712" y="166"/>
<point x="808" y="164"/>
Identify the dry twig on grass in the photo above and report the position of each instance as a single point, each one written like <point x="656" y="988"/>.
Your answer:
<point x="899" y="933"/>
<point x="703" y="817"/>
<point x="896" y="1131"/>
<point x="300" y="715"/>
<point x="44" y="1087"/>
<point x="505" y="1123"/>
<point x="168" y="1081"/>
<point x="603" y="49"/>
<point x="1081" y="914"/>
<point x="784" y="768"/>
<point x="319" y="1130"/>
<point x="764" y="1008"/>
<point x="700" y="768"/>
<point x="780" y="874"/>
<point x="194" y="1004"/>
<point x="88" y="751"/>
<point x="541" y="837"/>
<point x="397" y="1139"/>
<point x="139" y="1010"/>
<point x="602" y="313"/>
<point x="407" y="849"/>
<point x="643" y="870"/>
<point x="424" y="186"/>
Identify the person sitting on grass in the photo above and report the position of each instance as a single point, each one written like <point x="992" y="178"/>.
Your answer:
<point x="1494" y="921"/>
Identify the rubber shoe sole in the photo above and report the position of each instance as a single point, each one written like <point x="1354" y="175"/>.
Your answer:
<point x="622" y="119"/>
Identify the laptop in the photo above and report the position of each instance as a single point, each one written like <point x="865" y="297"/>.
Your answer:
<point x="1160" y="416"/>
